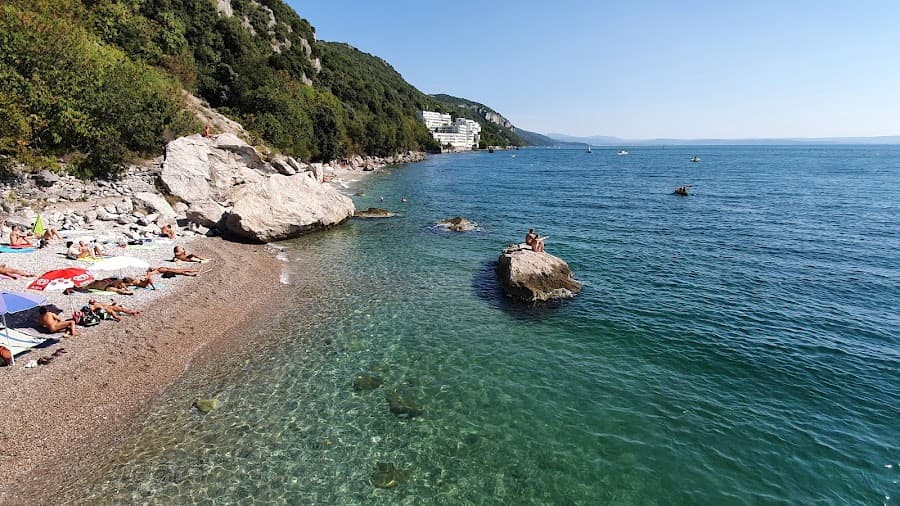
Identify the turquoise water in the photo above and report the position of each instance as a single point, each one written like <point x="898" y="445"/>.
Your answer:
<point x="737" y="346"/>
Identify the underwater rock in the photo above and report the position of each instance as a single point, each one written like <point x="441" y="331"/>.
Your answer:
<point x="457" y="224"/>
<point x="373" y="212"/>
<point x="402" y="407"/>
<point x="366" y="382"/>
<point x="207" y="405"/>
<point x="388" y="475"/>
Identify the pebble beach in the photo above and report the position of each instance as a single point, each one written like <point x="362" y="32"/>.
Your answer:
<point x="58" y="414"/>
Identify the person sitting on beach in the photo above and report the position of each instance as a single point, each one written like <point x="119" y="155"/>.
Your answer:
<point x="144" y="282"/>
<point x="14" y="273"/>
<point x="114" y="285"/>
<point x="72" y="250"/>
<point x="111" y="309"/>
<point x="53" y="323"/>
<point x="171" y="272"/>
<point x="537" y="244"/>
<point x="51" y="233"/>
<point x="529" y="237"/>
<point x="183" y="256"/>
<point x="18" y="237"/>
<point x="167" y="231"/>
<point x="97" y="250"/>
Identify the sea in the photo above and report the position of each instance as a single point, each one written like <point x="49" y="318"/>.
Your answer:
<point x="739" y="345"/>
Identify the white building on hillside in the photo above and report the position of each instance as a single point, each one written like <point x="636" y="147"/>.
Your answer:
<point x="462" y="134"/>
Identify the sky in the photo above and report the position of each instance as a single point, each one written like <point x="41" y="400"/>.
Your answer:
<point x="644" y="69"/>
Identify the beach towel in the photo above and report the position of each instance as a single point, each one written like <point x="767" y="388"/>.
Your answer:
<point x="19" y="341"/>
<point x="89" y="260"/>
<point x="103" y="292"/>
<point x="6" y="248"/>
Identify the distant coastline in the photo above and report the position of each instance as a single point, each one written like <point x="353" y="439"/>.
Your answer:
<point x="616" y="141"/>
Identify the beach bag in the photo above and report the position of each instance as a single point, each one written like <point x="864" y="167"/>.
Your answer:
<point x="88" y="317"/>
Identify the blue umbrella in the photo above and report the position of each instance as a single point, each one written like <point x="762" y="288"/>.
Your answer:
<point x="12" y="302"/>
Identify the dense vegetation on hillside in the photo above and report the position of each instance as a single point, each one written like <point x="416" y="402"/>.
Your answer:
<point x="492" y="133"/>
<point x="98" y="82"/>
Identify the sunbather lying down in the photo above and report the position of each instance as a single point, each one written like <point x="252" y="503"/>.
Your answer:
<point x="111" y="309"/>
<point x="114" y="285"/>
<point x="53" y="323"/>
<point x="171" y="272"/>
<point x="13" y="273"/>
<point x="143" y="282"/>
<point x="182" y="256"/>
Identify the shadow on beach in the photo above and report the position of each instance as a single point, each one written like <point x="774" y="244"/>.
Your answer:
<point x="487" y="287"/>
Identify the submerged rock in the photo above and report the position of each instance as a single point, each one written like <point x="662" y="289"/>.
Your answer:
<point x="388" y="475"/>
<point x="367" y="382"/>
<point x="374" y="212"/>
<point x="532" y="276"/>
<point x="207" y="405"/>
<point x="402" y="407"/>
<point x="457" y="224"/>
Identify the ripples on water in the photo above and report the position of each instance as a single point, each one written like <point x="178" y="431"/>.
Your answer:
<point x="738" y="346"/>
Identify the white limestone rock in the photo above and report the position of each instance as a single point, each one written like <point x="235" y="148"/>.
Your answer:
<point x="282" y="207"/>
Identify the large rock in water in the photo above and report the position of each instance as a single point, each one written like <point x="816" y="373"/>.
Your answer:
<point x="531" y="276"/>
<point x="281" y="207"/>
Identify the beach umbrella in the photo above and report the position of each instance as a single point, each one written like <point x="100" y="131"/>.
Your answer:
<point x="60" y="279"/>
<point x="12" y="302"/>
<point x="118" y="263"/>
<point x="38" y="229"/>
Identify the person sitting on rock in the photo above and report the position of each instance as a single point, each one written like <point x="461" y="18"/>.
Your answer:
<point x="18" y="237"/>
<point x="182" y="256"/>
<point x="111" y="309"/>
<point x="13" y="273"/>
<point x="529" y="237"/>
<point x="167" y="231"/>
<point x="171" y="272"/>
<point x="537" y="244"/>
<point x="53" y="323"/>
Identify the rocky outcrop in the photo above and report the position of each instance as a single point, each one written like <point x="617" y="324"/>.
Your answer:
<point x="281" y="207"/>
<point x="533" y="277"/>
<point x="457" y="224"/>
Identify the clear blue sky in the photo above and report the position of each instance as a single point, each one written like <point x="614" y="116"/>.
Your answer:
<point x="644" y="69"/>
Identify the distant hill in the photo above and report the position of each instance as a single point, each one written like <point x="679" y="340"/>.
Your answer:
<point x="535" y="139"/>
<point x="495" y="129"/>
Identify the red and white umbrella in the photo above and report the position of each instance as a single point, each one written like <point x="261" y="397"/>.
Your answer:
<point x="60" y="279"/>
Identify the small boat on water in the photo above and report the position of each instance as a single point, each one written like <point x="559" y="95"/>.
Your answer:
<point x="589" y="149"/>
<point x="682" y="190"/>
<point x="695" y="159"/>
<point x="622" y="153"/>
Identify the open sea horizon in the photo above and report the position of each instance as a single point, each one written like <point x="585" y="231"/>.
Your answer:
<point x="740" y="345"/>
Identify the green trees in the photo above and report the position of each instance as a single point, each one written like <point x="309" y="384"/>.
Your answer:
<point x="99" y="82"/>
<point x="62" y="92"/>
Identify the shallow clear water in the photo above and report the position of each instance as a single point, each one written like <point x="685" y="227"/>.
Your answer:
<point x="737" y="346"/>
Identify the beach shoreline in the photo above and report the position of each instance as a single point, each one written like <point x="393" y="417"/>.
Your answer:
<point x="62" y="416"/>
